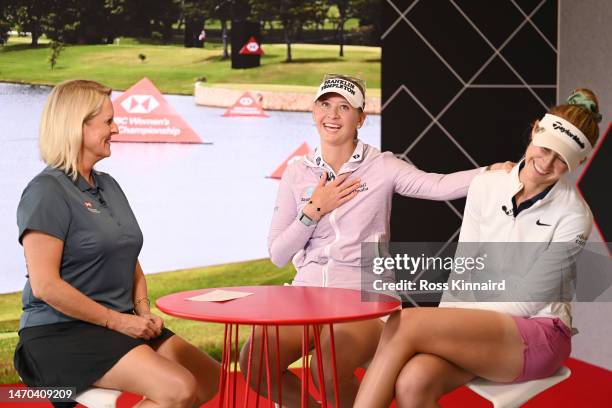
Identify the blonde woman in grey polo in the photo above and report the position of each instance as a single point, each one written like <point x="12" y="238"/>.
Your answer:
<point x="86" y="318"/>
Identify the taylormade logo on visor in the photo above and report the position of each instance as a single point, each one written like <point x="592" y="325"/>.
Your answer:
<point x="339" y="83"/>
<point x="559" y="126"/>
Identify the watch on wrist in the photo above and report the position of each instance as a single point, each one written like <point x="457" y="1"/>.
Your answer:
<point x="306" y="220"/>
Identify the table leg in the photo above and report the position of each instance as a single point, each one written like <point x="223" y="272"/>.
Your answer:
<point x="228" y="366"/>
<point x="249" y="365"/>
<point x="333" y="359"/>
<point x="222" y="373"/>
<point x="236" y="351"/>
<point x="261" y="354"/>
<point x="305" y="370"/>
<point x="268" y="379"/>
<point x="317" y="343"/>
<point x="278" y="370"/>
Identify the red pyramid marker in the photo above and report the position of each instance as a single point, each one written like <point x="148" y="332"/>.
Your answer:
<point x="246" y="105"/>
<point x="296" y="155"/>
<point x="252" y="47"/>
<point x="143" y="115"/>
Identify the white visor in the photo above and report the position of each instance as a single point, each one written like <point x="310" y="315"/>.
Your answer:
<point x="341" y="86"/>
<point x="565" y="139"/>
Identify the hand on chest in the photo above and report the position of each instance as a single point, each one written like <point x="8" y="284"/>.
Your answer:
<point x="304" y="190"/>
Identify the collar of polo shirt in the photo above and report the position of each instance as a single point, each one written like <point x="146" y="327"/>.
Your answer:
<point x="350" y="165"/>
<point x="83" y="185"/>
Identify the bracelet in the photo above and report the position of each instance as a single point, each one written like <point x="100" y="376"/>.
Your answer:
<point x="142" y="299"/>
<point x="318" y="208"/>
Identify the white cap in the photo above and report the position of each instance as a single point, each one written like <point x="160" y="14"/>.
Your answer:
<point x="565" y="139"/>
<point x="349" y="90"/>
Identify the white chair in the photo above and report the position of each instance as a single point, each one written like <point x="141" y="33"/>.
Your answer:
<point x="515" y="395"/>
<point x="95" y="397"/>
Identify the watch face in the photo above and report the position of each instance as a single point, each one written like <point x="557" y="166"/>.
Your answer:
<point x="306" y="220"/>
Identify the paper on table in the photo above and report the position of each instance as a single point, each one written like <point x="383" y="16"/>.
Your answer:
<point x="219" y="295"/>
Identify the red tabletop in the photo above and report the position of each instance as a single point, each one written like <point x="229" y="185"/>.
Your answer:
<point x="282" y="305"/>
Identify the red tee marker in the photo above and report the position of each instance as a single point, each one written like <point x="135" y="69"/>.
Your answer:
<point x="246" y="105"/>
<point x="252" y="47"/>
<point x="143" y="115"/>
<point x="296" y="155"/>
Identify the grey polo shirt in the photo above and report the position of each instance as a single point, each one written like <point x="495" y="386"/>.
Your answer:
<point x="101" y="237"/>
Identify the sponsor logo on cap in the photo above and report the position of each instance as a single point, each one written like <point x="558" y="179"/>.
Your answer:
<point x="339" y="84"/>
<point x="559" y="126"/>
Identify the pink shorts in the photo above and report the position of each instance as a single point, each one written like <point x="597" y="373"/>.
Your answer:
<point x="547" y="344"/>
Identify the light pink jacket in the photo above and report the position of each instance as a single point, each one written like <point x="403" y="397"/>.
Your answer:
<point x="328" y="253"/>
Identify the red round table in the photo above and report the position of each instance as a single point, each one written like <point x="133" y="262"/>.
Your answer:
<point x="277" y="306"/>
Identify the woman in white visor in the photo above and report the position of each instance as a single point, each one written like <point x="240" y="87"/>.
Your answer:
<point x="425" y="353"/>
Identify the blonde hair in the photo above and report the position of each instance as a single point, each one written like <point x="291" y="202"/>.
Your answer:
<point x="70" y="105"/>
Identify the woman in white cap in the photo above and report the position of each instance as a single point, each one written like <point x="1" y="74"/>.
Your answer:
<point x="328" y="203"/>
<point x="427" y="352"/>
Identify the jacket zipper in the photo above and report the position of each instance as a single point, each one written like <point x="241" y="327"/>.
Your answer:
<point x="332" y="221"/>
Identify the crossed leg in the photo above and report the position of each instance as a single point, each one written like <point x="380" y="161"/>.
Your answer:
<point x="426" y="378"/>
<point x="177" y="374"/>
<point x="203" y="367"/>
<point x="482" y="342"/>
<point x="355" y="345"/>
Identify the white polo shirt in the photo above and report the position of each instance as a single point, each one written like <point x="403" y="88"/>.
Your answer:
<point x="561" y="216"/>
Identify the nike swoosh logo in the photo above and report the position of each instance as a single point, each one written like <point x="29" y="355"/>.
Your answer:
<point x="544" y="225"/>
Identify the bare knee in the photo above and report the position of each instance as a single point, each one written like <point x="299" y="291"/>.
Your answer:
<point x="414" y="388"/>
<point x="184" y="390"/>
<point x="181" y="391"/>
<point x="345" y="371"/>
<point x="406" y="326"/>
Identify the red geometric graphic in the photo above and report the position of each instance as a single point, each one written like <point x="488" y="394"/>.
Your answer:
<point x="303" y="150"/>
<point x="143" y="115"/>
<point x="591" y="185"/>
<point x="252" y="47"/>
<point x="246" y="105"/>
